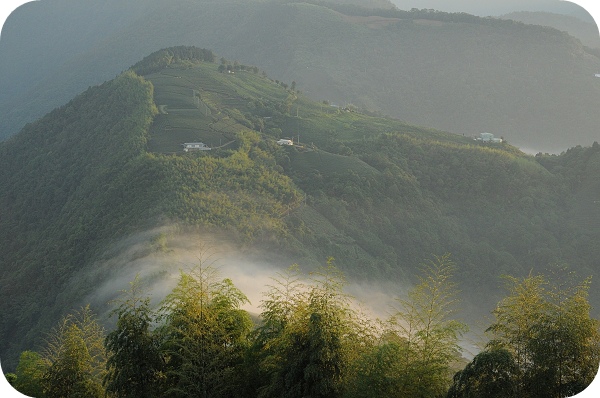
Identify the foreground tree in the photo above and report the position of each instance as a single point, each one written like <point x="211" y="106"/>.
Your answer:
<point x="491" y="374"/>
<point x="204" y="336"/>
<point x="29" y="374"/>
<point x="517" y="316"/>
<point x="315" y="360"/>
<point x="414" y="355"/>
<point x="429" y="332"/>
<point x="544" y="343"/>
<point x="134" y="365"/>
<point x="380" y="372"/>
<point x="310" y="336"/>
<point x="75" y="357"/>
<point x="279" y="307"/>
<point x="565" y="344"/>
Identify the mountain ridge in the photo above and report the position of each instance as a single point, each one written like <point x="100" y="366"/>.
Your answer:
<point x="479" y="75"/>
<point x="377" y="194"/>
<point x="584" y="31"/>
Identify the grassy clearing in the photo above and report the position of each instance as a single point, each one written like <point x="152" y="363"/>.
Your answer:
<point x="328" y="163"/>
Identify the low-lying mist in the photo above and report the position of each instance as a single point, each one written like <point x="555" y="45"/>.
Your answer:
<point x="158" y="256"/>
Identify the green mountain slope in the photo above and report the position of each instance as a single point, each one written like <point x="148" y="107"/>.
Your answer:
<point x="377" y="194"/>
<point x="59" y="178"/>
<point x="533" y="85"/>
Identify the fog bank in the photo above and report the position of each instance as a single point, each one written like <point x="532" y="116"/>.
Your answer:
<point x="158" y="257"/>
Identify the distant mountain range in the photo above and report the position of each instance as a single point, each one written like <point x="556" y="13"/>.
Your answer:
<point x="535" y="86"/>
<point x="499" y="7"/>
<point x="585" y="31"/>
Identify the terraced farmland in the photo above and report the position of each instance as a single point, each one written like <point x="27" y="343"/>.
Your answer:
<point x="190" y="110"/>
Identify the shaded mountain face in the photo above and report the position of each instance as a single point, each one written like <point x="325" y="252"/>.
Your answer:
<point x="534" y="86"/>
<point x="101" y="189"/>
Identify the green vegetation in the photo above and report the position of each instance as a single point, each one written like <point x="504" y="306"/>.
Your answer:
<point x="204" y="336"/>
<point x="75" y="357"/>
<point x="373" y="192"/>
<point x="419" y="344"/>
<point x="162" y="59"/>
<point x="61" y="197"/>
<point x="80" y="178"/>
<point x="311" y="340"/>
<point x="544" y="343"/>
<point x="134" y="361"/>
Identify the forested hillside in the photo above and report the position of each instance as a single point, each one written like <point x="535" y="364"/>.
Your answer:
<point x="378" y="195"/>
<point x="61" y="199"/>
<point x="533" y="85"/>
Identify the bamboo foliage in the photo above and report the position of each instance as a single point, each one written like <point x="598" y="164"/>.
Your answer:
<point x="75" y="357"/>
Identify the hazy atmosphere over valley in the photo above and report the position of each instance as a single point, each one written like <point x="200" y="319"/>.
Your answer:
<point x="300" y="198"/>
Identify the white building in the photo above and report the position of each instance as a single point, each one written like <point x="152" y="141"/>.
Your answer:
<point x="489" y="137"/>
<point x="285" y="142"/>
<point x="195" y="146"/>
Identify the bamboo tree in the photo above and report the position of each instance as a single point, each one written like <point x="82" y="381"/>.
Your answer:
<point x="324" y="355"/>
<point x="565" y="342"/>
<point x="281" y="301"/>
<point x="517" y="314"/>
<point x="379" y="371"/>
<point x="205" y="335"/>
<point x="29" y="374"/>
<point x="281" y="304"/>
<point x="425" y="327"/>
<point x="134" y="365"/>
<point x="310" y="335"/>
<point x="545" y="329"/>
<point x="75" y="357"/>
